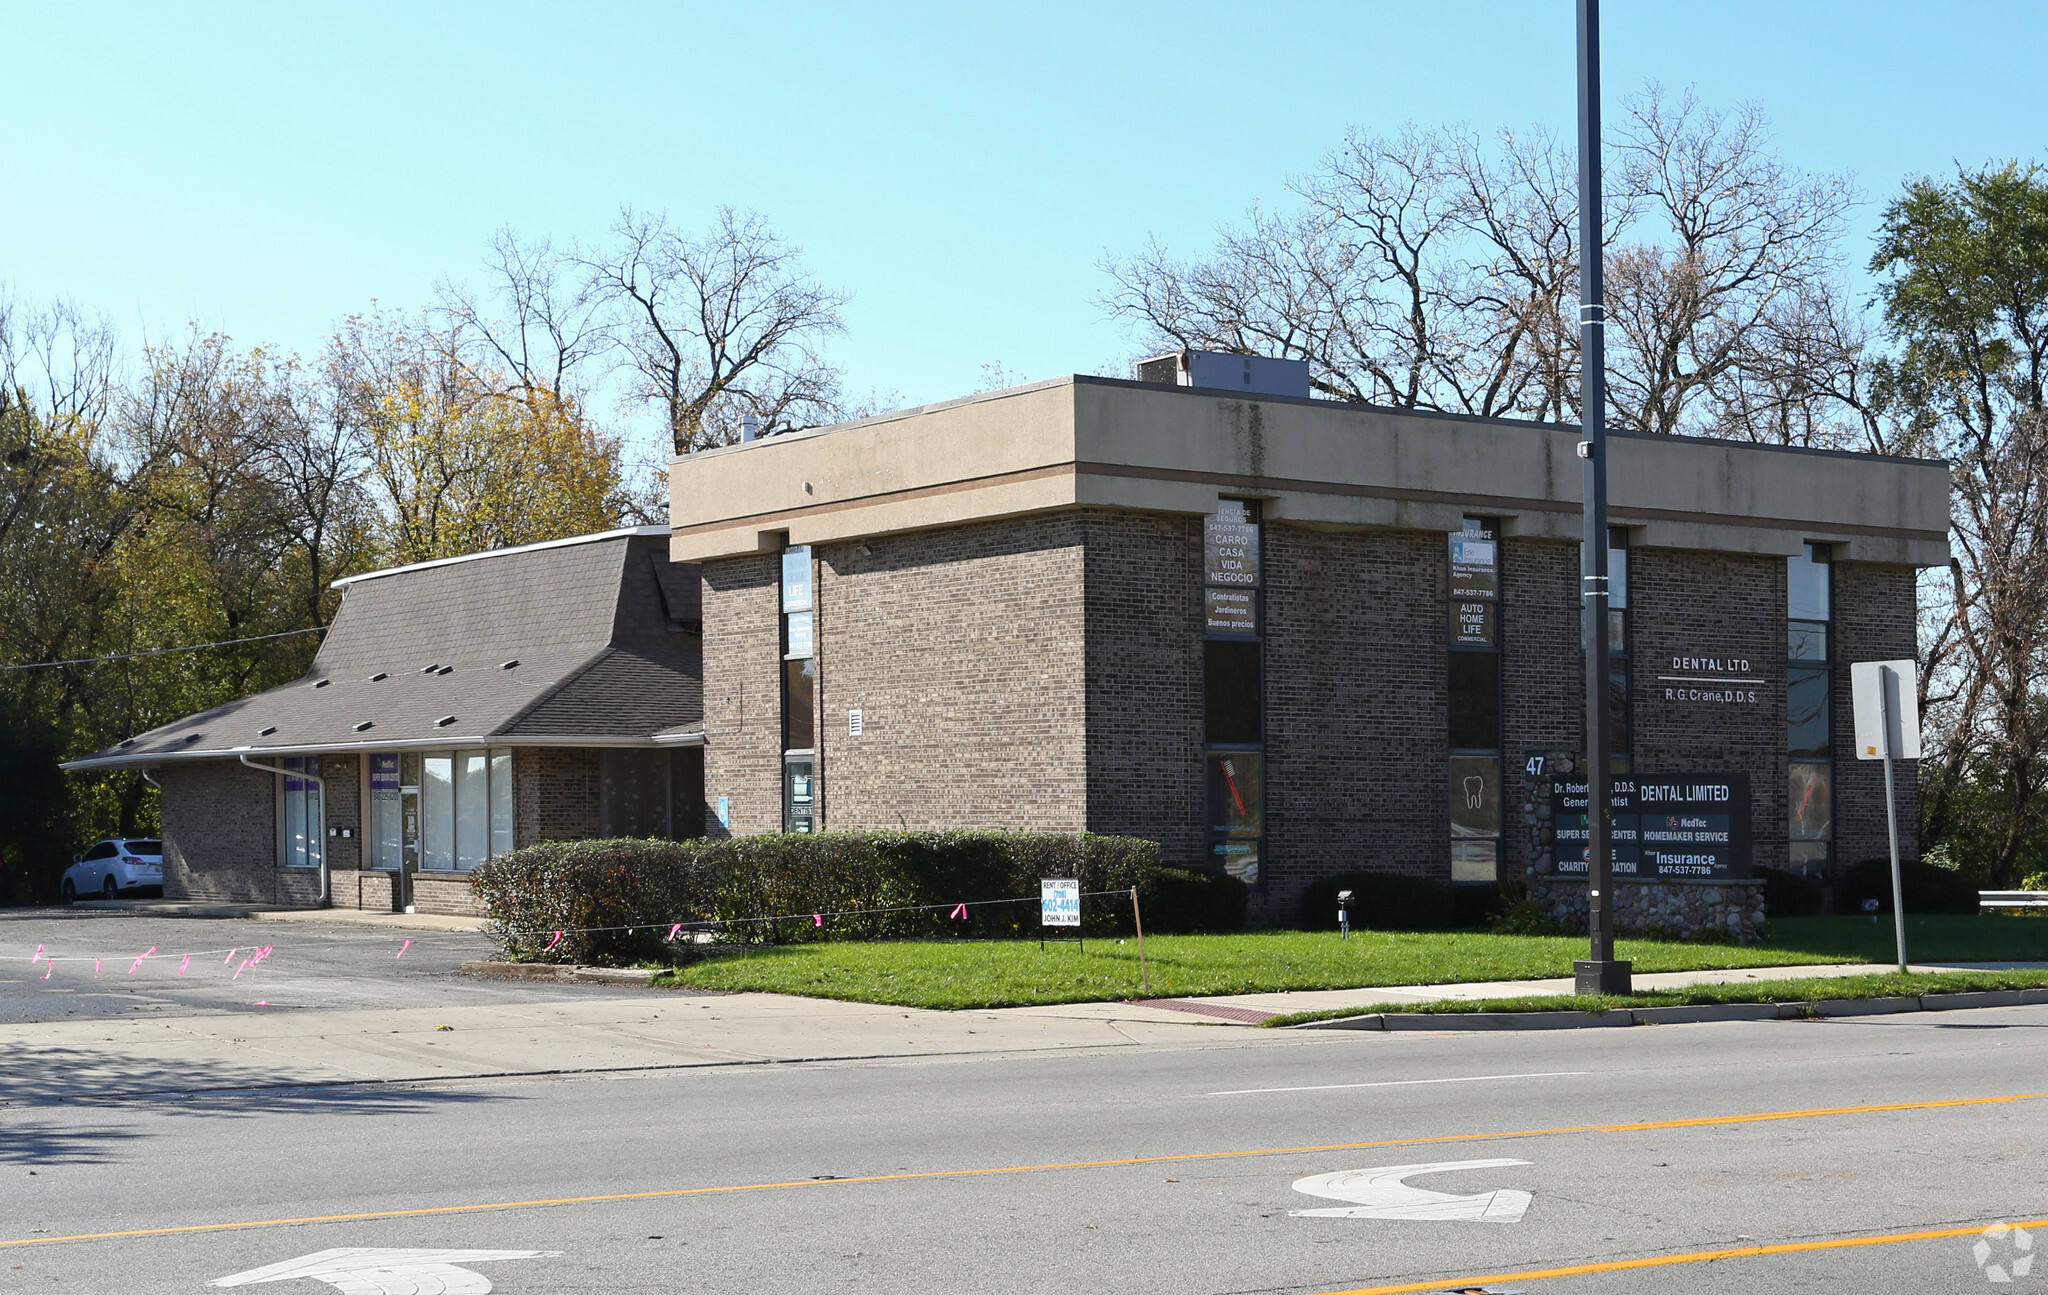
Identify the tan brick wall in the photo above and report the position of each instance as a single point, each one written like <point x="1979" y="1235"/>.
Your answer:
<point x="743" y="692"/>
<point x="963" y="650"/>
<point x="987" y="702"/>
<point x="1875" y="619"/>
<point x="1355" y="695"/>
<point x="555" y="793"/>
<point x="1144" y="757"/>
<point x="441" y="893"/>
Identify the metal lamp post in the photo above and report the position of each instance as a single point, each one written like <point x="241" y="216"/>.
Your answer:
<point x="1601" y="973"/>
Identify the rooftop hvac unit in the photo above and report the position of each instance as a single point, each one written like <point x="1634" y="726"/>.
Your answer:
<point x="1220" y="370"/>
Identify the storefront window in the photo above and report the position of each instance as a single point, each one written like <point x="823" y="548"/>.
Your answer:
<point x="301" y="821"/>
<point x="464" y="808"/>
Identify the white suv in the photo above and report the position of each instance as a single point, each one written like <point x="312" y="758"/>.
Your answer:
<point x="115" y="867"/>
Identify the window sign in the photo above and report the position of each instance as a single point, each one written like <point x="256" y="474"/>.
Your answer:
<point x="796" y="579"/>
<point x="1230" y="611"/>
<point x="1230" y="546"/>
<point x="1238" y="858"/>
<point x="1237" y="792"/>
<point x="799" y="796"/>
<point x="1475" y="796"/>
<point x="800" y="639"/>
<point x="1475" y="569"/>
<point x="1475" y="622"/>
<point x="386" y="833"/>
<point x="725" y="811"/>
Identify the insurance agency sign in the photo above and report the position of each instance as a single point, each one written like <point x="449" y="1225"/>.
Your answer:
<point x="1689" y="828"/>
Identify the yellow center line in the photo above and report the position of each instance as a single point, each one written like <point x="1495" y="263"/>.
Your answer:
<point x="1665" y="1261"/>
<point x="1703" y="1121"/>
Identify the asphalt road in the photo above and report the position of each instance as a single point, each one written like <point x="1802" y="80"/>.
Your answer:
<point x="1158" y="1168"/>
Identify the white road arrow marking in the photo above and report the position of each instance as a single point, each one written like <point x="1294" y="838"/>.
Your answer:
<point x="364" y="1270"/>
<point x="1380" y="1194"/>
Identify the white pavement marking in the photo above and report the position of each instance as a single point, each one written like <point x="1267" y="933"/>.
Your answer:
<point x="1400" y="1083"/>
<point x="1380" y="1194"/>
<point x="364" y="1270"/>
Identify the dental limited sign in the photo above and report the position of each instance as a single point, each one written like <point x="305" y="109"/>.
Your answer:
<point x="1715" y="680"/>
<point x="1689" y="828"/>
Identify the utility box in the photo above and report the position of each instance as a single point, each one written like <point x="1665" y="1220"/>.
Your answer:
<point x="1220" y="370"/>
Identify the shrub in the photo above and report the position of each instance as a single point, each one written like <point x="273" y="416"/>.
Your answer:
<point x="1195" y="901"/>
<point x="1787" y="894"/>
<point x="1381" y="901"/>
<point x="1928" y="889"/>
<point x="883" y="885"/>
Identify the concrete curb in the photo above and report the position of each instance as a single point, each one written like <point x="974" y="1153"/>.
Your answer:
<point x="1570" y="1020"/>
<point x="560" y="973"/>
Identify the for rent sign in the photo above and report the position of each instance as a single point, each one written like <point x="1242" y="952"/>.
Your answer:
<point x="1694" y="827"/>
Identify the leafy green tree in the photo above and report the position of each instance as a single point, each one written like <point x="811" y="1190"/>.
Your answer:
<point x="1965" y="298"/>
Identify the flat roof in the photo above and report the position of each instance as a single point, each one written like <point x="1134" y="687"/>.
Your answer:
<point x="1082" y="441"/>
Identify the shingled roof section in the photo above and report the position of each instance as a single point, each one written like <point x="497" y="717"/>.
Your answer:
<point x="593" y="641"/>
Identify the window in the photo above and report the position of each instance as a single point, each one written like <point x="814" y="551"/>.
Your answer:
<point x="301" y="822"/>
<point x="1809" y="719"/>
<point x="463" y="811"/>
<point x="1473" y="697"/>
<point x="799" y="693"/>
<point x="1233" y="688"/>
<point x="1231" y="694"/>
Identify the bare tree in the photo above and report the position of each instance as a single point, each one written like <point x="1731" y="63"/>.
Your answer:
<point x="535" y="328"/>
<point x="1733" y="244"/>
<point x="1430" y="270"/>
<point x="720" y="326"/>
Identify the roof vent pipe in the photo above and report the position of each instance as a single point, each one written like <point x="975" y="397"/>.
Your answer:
<point x="750" y="428"/>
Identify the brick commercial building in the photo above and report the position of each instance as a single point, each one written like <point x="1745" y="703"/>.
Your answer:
<point x="457" y="709"/>
<point x="1288" y="637"/>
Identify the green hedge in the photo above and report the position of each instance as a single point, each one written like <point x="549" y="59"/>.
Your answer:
<point x="1787" y="894"/>
<point x="859" y="877"/>
<point x="1194" y="901"/>
<point x="1928" y="889"/>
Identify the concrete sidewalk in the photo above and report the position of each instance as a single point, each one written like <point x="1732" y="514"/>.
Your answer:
<point x="612" y="1029"/>
<point x="1251" y="1009"/>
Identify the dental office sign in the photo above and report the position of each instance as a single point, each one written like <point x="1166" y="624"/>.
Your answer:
<point x="1693" y="827"/>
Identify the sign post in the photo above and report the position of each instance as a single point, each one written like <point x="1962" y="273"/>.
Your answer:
<point x="1601" y="972"/>
<point x="1886" y="696"/>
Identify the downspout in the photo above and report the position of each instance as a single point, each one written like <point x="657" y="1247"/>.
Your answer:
<point x="326" y="880"/>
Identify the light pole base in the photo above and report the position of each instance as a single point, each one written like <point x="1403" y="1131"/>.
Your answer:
<point x="1611" y="977"/>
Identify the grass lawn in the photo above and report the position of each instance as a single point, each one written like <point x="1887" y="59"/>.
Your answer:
<point x="1885" y="985"/>
<point x="1014" y="973"/>
<point x="1998" y="937"/>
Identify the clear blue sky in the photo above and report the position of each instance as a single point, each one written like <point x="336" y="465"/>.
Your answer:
<point x="961" y="169"/>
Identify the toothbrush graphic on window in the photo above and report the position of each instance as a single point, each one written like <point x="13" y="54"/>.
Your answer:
<point x="1231" y="781"/>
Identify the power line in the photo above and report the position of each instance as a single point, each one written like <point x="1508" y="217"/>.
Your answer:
<point x="129" y="656"/>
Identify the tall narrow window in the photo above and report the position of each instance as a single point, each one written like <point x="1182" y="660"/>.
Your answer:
<point x="1473" y="678"/>
<point x="799" y="693"/>
<point x="1233" y="689"/>
<point x="300" y="820"/>
<point x="1809" y="679"/>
